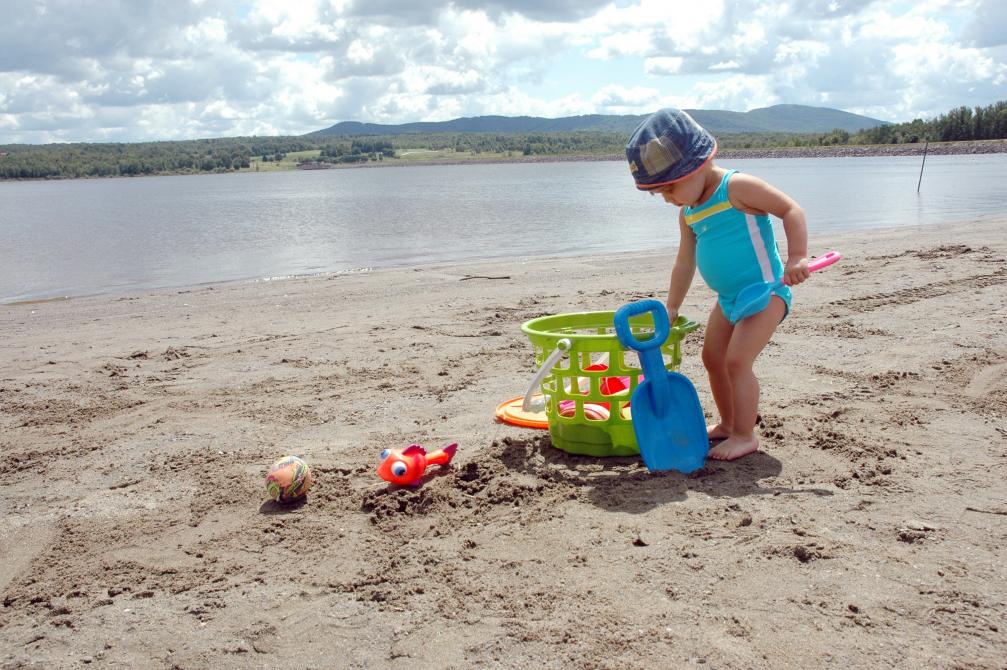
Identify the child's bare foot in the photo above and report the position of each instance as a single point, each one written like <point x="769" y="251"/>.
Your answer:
<point x="716" y="432"/>
<point x="734" y="447"/>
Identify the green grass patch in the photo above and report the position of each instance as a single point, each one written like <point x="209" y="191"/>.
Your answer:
<point x="289" y="161"/>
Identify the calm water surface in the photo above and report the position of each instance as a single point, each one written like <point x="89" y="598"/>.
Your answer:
<point x="66" y="238"/>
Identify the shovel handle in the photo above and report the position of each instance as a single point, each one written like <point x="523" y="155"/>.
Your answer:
<point x="823" y="261"/>
<point x="662" y="327"/>
<point x="651" y="361"/>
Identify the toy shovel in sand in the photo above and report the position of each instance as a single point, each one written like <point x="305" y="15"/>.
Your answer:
<point x="667" y="417"/>
<point x="755" y="297"/>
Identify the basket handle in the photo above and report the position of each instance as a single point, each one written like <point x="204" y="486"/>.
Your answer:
<point x="528" y="405"/>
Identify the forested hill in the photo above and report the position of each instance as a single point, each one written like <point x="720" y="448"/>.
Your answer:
<point x="55" y="161"/>
<point x="775" y="119"/>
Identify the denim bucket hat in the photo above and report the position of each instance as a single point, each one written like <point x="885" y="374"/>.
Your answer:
<point x="667" y="147"/>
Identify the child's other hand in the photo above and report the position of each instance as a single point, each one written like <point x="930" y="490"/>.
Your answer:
<point x="796" y="271"/>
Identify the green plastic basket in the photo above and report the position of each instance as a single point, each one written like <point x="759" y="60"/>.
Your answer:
<point x="592" y="339"/>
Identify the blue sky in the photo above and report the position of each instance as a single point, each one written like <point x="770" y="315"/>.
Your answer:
<point x="134" y="70"/>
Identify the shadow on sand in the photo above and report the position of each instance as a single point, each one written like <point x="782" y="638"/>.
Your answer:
<point x="625" y="484"/>
<point x="273" y="507"/>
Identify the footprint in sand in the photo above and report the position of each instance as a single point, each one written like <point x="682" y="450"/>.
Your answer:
<point x="988" y="380"/>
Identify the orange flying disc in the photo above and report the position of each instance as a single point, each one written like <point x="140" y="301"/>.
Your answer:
<point x="509" y="411"/>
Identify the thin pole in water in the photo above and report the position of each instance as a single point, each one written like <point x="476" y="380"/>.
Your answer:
<point x="925" y="147"/>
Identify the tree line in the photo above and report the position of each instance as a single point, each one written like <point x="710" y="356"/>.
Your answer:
<point x="959" y="125"/>
<point x="27" y="161"/>
<point x="48" y="161"/>
<point x="358" y="151"/>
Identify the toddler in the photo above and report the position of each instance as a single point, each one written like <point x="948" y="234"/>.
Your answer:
<point x="726" y="232"/>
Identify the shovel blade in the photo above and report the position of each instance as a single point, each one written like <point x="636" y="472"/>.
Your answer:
<point x="671" y="436"/>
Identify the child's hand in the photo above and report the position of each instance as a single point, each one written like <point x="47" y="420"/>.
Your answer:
<point x="672" y="314"/>
<point x="796" y="271"/>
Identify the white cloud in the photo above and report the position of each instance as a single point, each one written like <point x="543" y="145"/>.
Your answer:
<point x="615" y="99"/>
<point x="988" y="25"/>
<point x="663" y="65"/>
<point x="627" y="43"/>
<point x="207" y="32"/>
<point x="800" y="51"/>
<point x="736" y="92"/>
<point x="78" y="70"/>
<point x="725" y="65"/>
<point x="538" y="10"/>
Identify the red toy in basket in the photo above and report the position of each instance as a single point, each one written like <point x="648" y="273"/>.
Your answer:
<point x="608" y="386"/>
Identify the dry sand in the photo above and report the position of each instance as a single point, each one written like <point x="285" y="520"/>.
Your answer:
<point x="869" y="532"/>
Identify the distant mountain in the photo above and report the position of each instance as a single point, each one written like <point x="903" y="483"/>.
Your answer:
<point x="775" y="119"/>
<point x="489" y="124"/>
<point x="784" y="119"/>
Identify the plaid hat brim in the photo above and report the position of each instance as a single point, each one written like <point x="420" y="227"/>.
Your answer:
<point x="651" y="187"/>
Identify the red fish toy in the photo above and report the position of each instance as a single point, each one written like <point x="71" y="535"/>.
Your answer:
<point x="405" y="467"/>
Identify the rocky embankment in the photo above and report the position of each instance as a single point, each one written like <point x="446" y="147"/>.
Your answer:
<point x="842" y="151"/>
<point x="854" y="151"/>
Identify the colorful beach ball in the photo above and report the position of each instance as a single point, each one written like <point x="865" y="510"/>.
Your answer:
<point x="288" y="479"/>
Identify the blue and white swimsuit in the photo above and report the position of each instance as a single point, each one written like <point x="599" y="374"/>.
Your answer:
<point x="734" y="249"/>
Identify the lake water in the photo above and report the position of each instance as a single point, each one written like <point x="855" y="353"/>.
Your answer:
<point x="81" y="237"/>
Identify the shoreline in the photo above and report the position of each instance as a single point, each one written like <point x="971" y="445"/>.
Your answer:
<point x="978" y="147"/>
<point x="835" y="151"/>
<point x="449" y="266"/>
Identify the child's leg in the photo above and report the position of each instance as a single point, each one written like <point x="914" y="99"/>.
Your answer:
<point x="748" y="340"/>
<point x="715" y="343"/>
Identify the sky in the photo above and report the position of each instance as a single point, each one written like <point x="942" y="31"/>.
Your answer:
<point x="143" y="70"/>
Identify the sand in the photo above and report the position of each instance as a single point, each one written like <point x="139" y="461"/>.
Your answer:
<point x="869" y="531"/>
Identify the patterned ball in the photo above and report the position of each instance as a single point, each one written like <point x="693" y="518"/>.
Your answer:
<point x="288" y="479"/>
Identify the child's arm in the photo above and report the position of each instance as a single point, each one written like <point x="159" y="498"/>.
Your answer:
<point x="754" y="196"/>
<point x="684" y="270"/>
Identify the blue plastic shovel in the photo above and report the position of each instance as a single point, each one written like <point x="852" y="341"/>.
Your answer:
<point x="667" y="417"/>
<point x="755" y="297"/>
